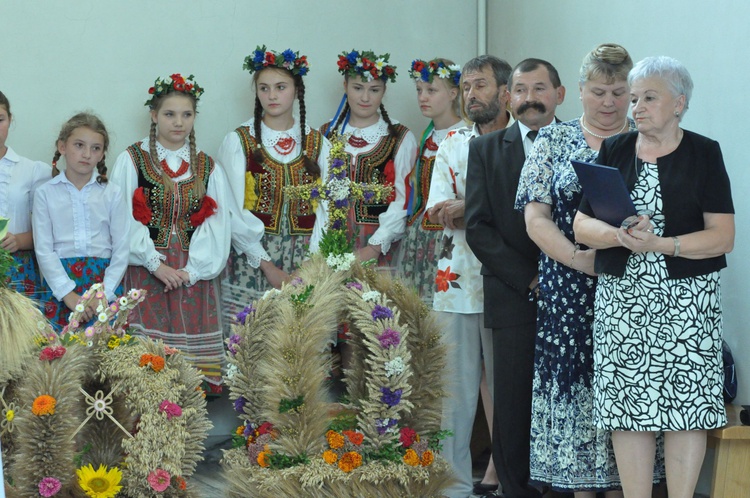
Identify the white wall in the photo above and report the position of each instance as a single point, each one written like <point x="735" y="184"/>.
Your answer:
<point x="57" y="58"/>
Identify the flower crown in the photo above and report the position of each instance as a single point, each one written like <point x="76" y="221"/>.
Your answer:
<point x="174" y="83"/>
<point x="367" y="65"/>
<point x="288" y="59"/>
<point x="426" y="71"/>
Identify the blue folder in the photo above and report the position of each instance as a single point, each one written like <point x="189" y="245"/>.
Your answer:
<point x="606" y="192"/>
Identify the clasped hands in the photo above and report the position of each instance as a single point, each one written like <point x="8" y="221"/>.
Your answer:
<point x="639" y="235"/>
<point x="449" y="213"/>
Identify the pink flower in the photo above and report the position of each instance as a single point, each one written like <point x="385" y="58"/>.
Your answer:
<point x="49" y="486"/>
<point x="52" y="353"/>
<point x="171" y="409"/>
<point x="159" y="480"/>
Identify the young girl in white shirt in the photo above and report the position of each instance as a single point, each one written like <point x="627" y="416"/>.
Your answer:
<point x="179" y="229"/>
<point x="262" y="156"/>
<point x="80" y="223"/>
<point x="381" y="150"/>
<point x="19" y="179"/>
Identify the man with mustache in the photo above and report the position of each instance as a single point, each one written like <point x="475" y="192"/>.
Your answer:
<point x="458" y="293"/>
<point x="496" y="233"/>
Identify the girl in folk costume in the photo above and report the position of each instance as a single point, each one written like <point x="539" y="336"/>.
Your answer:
<point x="80" y="223"/>
<point x="262" y="156"/>
<point x="179" y="233"/>
<point x="381" y="151"/>
<point x="19" y="179"/>
<point x="437" y="94"/>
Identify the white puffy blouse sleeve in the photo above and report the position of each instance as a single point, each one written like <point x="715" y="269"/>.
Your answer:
<point x="142" y="250"/>
<point x="210" y="243"/>
<point x="246" y="229"/>
<point x="321" y="212"/>
<point x="119" y="229"/>
<point x="393" y="220"/>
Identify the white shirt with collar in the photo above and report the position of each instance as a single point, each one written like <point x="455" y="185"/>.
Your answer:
<point x="19" y="179"/>
<point x="69" y="223"/>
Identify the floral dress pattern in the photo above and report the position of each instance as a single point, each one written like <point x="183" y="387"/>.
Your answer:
<point x="657" y="341"/>
<point x="567" y="450"/>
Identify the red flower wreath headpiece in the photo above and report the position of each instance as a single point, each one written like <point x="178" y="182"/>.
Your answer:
<point x="174" y="83"/>
<point x="367" y="66"/>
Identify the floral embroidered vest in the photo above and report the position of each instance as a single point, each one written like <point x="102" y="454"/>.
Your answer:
<point x="264" y="185"/>
<point x="370" y="168"/>
<point x="423" y="172"/>
<point x="170" y="208"/>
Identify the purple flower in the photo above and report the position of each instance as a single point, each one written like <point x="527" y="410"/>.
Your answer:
<point x="234" y="341"/>
<point x="49" y="486"/>
<point x="249" y="430"/>
<point x="239" y="404"/>
<point x="337" y="163"/>
<point x="383" y="424"/>
<point x="369" y="195"/>
<point x="296" y="281"/>
<point x="341" y="175"/>
<point x="314" y="193"/>
<point x="389" y="338"/>
<point x="341" y="203"/>
<point x="391" y="398"/>
<point x="336" y="225"/>
<point x="242" y="315"/>
<point x="354" y="285"/>
<point x="381" y="312"/>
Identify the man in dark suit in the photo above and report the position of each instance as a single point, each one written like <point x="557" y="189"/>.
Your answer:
<point x="496" y="233"/>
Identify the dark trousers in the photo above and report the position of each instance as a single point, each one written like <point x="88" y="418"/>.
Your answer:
<point x="513" y="349"/>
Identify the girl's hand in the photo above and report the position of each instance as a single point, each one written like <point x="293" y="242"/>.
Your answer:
<point x="368" y="252"/>
<point x="170" y="277"/>
<point x="275" y="275"/>
<point x="71" y="300"/>
<point x="10" y="242"/>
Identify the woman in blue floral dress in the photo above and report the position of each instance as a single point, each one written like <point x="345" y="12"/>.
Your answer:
<point x="568" y="452"/>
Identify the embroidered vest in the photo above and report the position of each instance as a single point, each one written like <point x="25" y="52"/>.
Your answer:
<point x="369" y="168"/>
<point x="170" y="208"/>
<point x="424" y="176"/>
<point x="264" y="185"/>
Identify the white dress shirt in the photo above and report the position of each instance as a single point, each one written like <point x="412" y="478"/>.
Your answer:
<point x="69" y="223"/>
<point x="19" y="179"/>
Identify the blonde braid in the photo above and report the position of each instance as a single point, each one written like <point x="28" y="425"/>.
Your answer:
<point x="56" y="158"/>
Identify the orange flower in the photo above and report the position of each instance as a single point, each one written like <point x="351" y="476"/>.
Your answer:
<point x="43" y="405"/>
<point x="145" y="359"/>
<point x="335" y="440"/>
<point x="444" y="278"/>
<point x="411" y="458"/>
<point x="180" y="482"/>
<point x="157" y="363"/>
<point x="427" y="458"/>
<point x="240" y="430"/>
<point x="354" y="437"/>
<point x="350" y="461"/>
<point x="263" y="458"/>
<point x="330" y="456"/>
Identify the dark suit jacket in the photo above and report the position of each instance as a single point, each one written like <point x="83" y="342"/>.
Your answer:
<point x="496" y="232"/>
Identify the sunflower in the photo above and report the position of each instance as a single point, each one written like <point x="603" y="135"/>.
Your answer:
<point x="101" y="483"/>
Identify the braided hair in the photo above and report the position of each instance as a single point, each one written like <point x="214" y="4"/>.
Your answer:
<point x="311" y="166"/>
<point x="199" y="189"/>
<point x="93" y="123"/>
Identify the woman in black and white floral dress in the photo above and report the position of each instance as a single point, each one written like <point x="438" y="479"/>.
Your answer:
<point x="658" y="325"/>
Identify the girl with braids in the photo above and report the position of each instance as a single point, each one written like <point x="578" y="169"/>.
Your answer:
<point x="19" y="179"/>
<point x="381" y="150"/>
<point x="80" y="222"/>
<point x="437" y="95"/>
<point x="179" y="234"/>
<point x="262" y="156"/>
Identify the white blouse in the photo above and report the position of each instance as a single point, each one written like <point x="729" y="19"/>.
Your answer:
<point x="69" y="223"/>
<point x="232" y="158"/>
<point x="19" y="179"/>
<point x="392" y="222"/>
<point x="209" y="245"/>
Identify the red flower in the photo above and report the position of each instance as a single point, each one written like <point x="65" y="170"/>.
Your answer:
<point x="433" y="64"/>
<point x="366" y="64"/>
<point x="407" y="437"/>
<point x="151" y="90"/>
<point x="270" y="58"/>
<point x="444" y="279"/>
<point x="343" y="63"/>
<point x="374" y="72"/>
<point x="354" y="437"/>
<point x="141" y="211"/>
<point x="28" y="286"/>
<point x="180" y="87"/>
<point x="77" y="269"/>
<point x="52" y="353"/>
<point x="208" y="208"/>
<point x="389" y="172"/>
<point x="50" y="309"/>
<point x="388" y="70"/>
<point x="265" y="428"/>
<point x="418" y="66"/>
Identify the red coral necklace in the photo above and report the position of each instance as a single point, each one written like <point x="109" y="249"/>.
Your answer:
<point x="174" y="174"/>
<point x="430" y="144"/>
<point x="284" y="146"/>
<point x="358" y="142"/>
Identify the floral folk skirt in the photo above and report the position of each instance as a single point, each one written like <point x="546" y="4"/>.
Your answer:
<point x="24" y="277"/>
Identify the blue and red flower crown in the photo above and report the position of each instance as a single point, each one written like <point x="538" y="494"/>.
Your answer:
<point x="427" y="70"/>
<point x="174" y="83"/>
<point x="288" y="59"/>
<point x="367" y="66"/>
